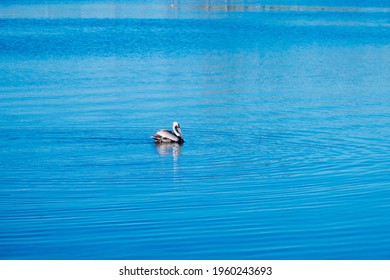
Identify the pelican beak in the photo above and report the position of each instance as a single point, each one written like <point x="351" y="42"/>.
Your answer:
<point x="179" y="130"/>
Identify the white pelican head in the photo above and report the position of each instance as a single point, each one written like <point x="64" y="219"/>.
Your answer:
<point x="177" y="130"/>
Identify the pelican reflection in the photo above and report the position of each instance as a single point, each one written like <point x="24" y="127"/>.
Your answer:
<point x="166" y="149"/>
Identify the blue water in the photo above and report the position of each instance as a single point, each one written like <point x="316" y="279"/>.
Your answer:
<point x="285" y="110"/>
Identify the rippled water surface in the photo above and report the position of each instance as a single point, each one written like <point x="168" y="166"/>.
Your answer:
<point x="284" y="109"/>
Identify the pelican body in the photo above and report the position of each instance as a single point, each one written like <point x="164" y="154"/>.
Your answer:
<point x="167" y="136"/>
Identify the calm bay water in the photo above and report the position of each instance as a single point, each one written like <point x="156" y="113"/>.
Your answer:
<point x="284" y="109"/>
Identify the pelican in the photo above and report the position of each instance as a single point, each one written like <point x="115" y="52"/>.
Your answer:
<point x="167" y="136"/>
